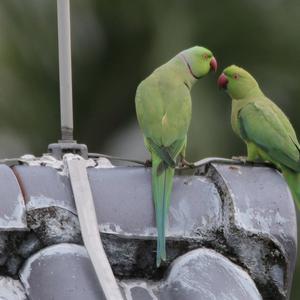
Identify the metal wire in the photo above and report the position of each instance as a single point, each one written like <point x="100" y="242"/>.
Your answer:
<point x="194" y="165"/>
<point x="99" y="155"/>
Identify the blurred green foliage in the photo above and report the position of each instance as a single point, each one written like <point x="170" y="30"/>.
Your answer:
<point x="118" y="43"/>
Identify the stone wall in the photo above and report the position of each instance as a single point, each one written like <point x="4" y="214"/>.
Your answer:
<point x="231" y="234"/>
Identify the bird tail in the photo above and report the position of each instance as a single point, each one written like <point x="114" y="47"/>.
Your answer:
<point x="293" y="181"/>
<point x="162" y="182"/>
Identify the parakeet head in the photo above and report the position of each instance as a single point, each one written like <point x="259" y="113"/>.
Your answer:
<point x="237" y="82"/>
<point x="199" y="61"/>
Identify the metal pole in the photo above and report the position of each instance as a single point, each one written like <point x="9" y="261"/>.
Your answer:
<point x="65" y="70"/>
<point x="67" y="144"/>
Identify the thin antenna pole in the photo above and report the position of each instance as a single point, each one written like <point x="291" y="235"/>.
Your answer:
<point x="65" y="70"/>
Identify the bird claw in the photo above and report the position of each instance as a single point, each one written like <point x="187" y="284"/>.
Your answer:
<point x="242" y="159"/>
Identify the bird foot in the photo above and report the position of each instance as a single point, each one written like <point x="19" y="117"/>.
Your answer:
<point x="185" y="163"/>
<point x="242" y="159"/>
<point x="148" y="163"/>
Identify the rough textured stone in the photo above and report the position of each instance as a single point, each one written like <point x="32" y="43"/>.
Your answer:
<point x="260" y="224"/>
<point x="12" y="252"/>
<point x="11" y="289"/>
<point x="3" y="248"/>
<point x="12" y="212"/>
<point x="29" y="245"/>
<point x="60" y="272"/>
<point x="54" y="225"/>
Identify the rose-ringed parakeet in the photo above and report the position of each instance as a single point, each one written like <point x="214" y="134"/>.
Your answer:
<point x="163" y="107"/>
<point x="263" y="126"/>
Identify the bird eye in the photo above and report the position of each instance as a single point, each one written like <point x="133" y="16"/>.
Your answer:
<point x="205" y="56"/>
<point x="236" y="76"/>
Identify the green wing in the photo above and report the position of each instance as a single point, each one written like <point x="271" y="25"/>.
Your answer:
<point x="167" y="154"/>
<point x="260" y="125"/>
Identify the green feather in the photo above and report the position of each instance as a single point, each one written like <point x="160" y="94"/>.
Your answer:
<point x="162" y="152"/>
<point x="162" y="182"/>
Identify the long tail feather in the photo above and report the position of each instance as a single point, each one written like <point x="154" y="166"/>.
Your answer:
<point x="162" y="182"/>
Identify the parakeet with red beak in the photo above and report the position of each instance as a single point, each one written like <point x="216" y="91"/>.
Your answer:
<point x="263" y="126"/>
<point x="164" y="108"/>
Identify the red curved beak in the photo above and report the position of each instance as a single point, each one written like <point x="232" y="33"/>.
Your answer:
<point x="222" y="81"/>
<point x="213" y="64"/>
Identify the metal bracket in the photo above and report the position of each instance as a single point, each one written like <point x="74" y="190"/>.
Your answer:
<point x="89" y="226"/>
<point x="58" y="150"/>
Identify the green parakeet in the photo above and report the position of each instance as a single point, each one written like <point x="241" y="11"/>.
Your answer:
<point x="263" y="126"/>
<point x="163" y="107"/>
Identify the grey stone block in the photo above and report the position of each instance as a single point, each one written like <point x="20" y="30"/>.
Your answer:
<point x="260" y="224"/>
<point x="200" y="274"/>
<point x="51" y="212"/>
<point x="11" y="289"/>
<point x="245" y="213"/>
<point x="45" y="187"/>
<point x="124" y="204"/>
<point x="123" y="200"/>
<point x="60" y="272"/>
<point x="65" y="272"/>
<point x="206" y="275"/>
<point x="12" y="212"/>
<point x="125" y="213"/>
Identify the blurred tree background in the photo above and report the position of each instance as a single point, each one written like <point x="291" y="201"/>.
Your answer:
<point x="116" y="44"/>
